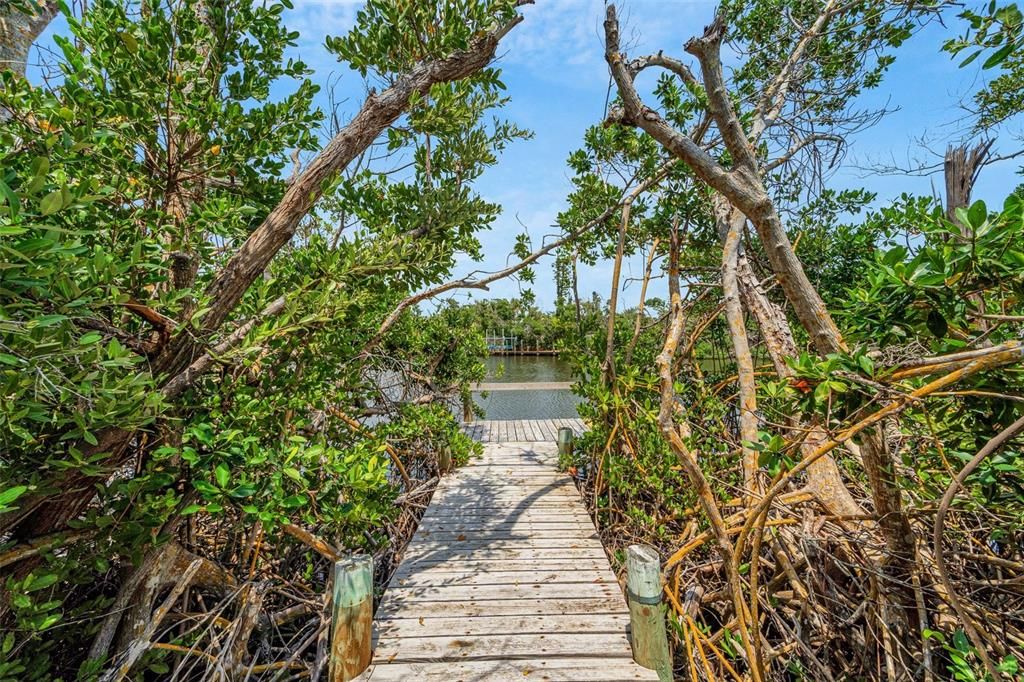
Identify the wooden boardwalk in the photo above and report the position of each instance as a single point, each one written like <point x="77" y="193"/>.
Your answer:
<point x="505" y="578"/>
<point x="520" y="430"/>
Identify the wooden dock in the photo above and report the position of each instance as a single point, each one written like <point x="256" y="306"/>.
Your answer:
<point x="521" y="430"/>
<point x="505" y="578"/>
<point x="528" y="386"/>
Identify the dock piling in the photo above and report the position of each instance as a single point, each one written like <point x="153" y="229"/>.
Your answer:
<point x="352" y="617"/>
<point x="646" y="612"/>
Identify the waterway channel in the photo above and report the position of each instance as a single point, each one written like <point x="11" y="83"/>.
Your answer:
<point x="527" y="404"/>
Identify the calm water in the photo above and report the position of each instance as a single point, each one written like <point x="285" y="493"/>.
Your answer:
<point x="559" y="404"/>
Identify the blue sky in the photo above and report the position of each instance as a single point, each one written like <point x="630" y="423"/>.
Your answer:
<point x="554" y="68"/>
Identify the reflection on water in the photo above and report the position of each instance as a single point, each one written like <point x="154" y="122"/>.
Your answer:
<point x="524" y="369"/>
<point x="548" y="404"/>
<point x="529" y="404"/>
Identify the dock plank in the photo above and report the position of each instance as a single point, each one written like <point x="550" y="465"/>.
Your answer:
<point x="550" y="670"/>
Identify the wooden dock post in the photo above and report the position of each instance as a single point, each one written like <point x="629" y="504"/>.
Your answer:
<point x="352" y="617"/>
<point x="565" y="436"/>
<point x="444" y="460"/>
<point x="646" y="612"/>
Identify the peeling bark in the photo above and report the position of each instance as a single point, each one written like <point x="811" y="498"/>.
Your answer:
<point x="823" y="476"/>
<point x="961" y="168"/>
<point x="231" y="662"/>
<point x="134" y="603"/>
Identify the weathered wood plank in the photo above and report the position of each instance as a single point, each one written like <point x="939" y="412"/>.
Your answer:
<point x="524" y="386"/>
<point x="472" y="593"/>
<point x="596" y="669"/>
<point x="533" y="577"/>
<point x="428" y="555"/>
<point x="512" y="514"/>
<point x="483" y="566"/>
<point x="501" y="607"/>
<point x="502" y="625"/>
<point x="520" y="430"/>
<point x="502" y="538"/>
<point x="555" y="528"/>
<point x="425" y="649"/>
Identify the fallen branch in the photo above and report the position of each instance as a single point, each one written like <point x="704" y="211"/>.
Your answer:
<point x="310" y="540"/>
<point x="142" y="644"/>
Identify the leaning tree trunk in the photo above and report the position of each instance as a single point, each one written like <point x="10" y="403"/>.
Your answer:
<point x="608" y="366"/>
<point x="731" y="224"/>
<point x="18" y="30"/>
<point x="823" y="476"/>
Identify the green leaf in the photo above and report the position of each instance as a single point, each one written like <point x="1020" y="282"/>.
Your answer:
<point x="970" y="58"/>
<point x="866" y="364"/>
<point x="40" y="166"/>
<point x="204" y="487"/>
<point x="12" y="198"/>
<point x="51" y="203"/>
<point x="11" y="494"/>
<point x="295" y="501"/>
<point x="822" y="392"/>
<point x="43" y="622"/>
<point x="42" y="582"/>
<point x="129" y="41"/>
<point x="999" y="56"/>
<point x="977" y="214"/>
<point x="223" y="474"/>
<point x="244" y="490"/>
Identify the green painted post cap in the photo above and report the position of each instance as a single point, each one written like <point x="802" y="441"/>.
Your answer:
<point x="353" y="580"/>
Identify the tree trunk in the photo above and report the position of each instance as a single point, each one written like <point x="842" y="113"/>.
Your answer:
<point x="961" y="170"/>
<point x="731" y="224"/>
<point x="576" y="295"/>
<point x="823" y="476"/>
<point x="608" y="366"/>
<point x="18" y="31"/>
<point x="638" y="322"/>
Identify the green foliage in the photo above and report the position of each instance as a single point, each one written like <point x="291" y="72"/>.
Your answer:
<point x="850" y="56"/>
<point x="124" y="189"/>
<point x="941" y="288"/>
<point x="391" y="37"/>
<point x="997" y="33"/>
<point x="519" y="318"/>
